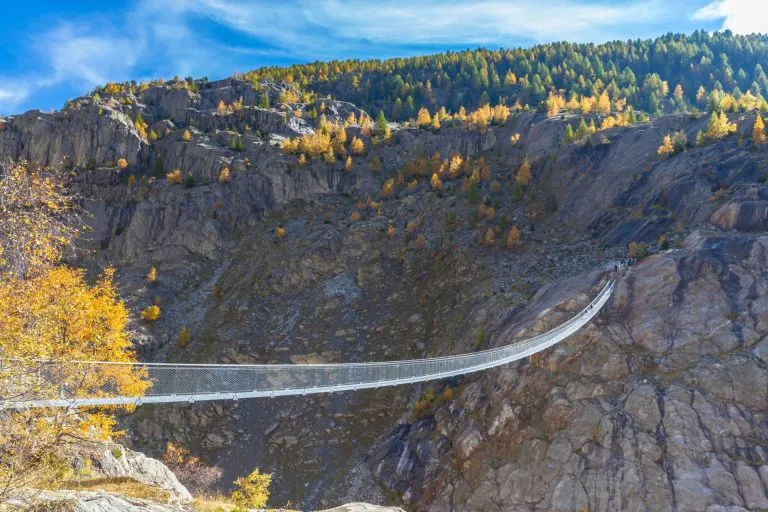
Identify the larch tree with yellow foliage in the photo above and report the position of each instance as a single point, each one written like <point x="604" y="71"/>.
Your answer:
<point x="666" y="148"/>
<point x="719" y="126"/>
<point x="50" y="313"/>
<point x="603" y="105"/>
<point x="554" y="104"/>
<point x="38" y="220"/>
<point x="524" y="174"/>
<point x="423" y="119"/>
<point x="435" y="123"/>
<point x="513" y="237"/>
<point x="357" y="146"/>
<point x="435" y="182"/>
<point x="252" y="491"/>
<point x="758" y="132"/>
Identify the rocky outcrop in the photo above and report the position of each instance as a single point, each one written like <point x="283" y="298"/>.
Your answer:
<point x="90" y="501"/>
<point x="122" y="462"/>
<point x="363" y="507"/>
<point x="659" y="405"/>
<point x="92" y="134"/>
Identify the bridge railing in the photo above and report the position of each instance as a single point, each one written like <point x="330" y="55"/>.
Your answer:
<point x="59" y="384"/>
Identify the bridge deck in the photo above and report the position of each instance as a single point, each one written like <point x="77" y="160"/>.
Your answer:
<point x="201" y="382"/>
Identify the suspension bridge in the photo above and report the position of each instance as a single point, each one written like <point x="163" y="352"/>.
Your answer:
<point x="64" y="383"/>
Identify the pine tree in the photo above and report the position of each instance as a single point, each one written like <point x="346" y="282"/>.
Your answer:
<point x="568" y="137"/>
<point x="382" y="127"/>
<point x="583" y="129"/>
<point x="510" y="78"/>
<point x="158" y="171"/>
<point x="237" y="143"/>
<point x="397" y="110"/>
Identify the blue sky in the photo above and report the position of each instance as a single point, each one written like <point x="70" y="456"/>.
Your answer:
<point x="53" y="50"/>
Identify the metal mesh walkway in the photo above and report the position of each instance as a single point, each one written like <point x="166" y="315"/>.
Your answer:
<point x="56" y="384"/>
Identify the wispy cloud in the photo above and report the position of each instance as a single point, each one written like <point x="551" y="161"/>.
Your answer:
<point x="739" y="16"/>
<point x="87" y="54"/>
<point x="318" y="28"/>
<point x="12" y="94"/>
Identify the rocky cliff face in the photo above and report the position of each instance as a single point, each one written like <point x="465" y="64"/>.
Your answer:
<point x="658" y="404"/>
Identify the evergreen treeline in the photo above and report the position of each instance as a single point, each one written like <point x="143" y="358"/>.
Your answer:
<point x="672" y="72"/>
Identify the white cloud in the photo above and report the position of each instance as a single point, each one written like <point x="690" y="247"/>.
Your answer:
<point x="12" y="94"/>
<point x="740" y="16"/>
<point x="315" y="29"/>
<point x="88" y="55"/>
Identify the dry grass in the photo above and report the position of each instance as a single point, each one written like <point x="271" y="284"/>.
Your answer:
<point x="120" y="485"/>
<point x="219" y="503"/>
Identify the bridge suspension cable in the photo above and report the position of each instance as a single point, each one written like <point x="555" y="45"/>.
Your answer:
<point x="55" y="383"/>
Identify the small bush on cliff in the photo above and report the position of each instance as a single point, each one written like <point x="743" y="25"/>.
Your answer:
<point x="183" y="339"/>
<point x="190" y="470"/>
<point x="252" y="490"/>
<point x="151" y="313"/>
<point x="174" y="177"/>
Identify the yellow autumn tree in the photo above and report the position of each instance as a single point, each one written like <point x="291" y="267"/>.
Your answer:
<point x="524" y="174"/>
<point x="500" y="114"/>
<point x="719" y="126"/>
<point x="57" y="316"/>
<point x="366" y="125"/>
<point x="436" y="122"/>
<point x="38" y="220"/>
<point x="666" y="147"/>
<point x="513" y="237"/>
<point x="489" y="238"/>
<point x="174" y="177"/>
<point x="357" y="146"/>
<point x="252" y="491"/>
<point x="758" y="131"/>
<point x="423" y="119"/>
<point x="554" y="103"/>
<point x="151" y="313"/>
<point x="603" y="105"/>
<point x="435" y="182"/>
